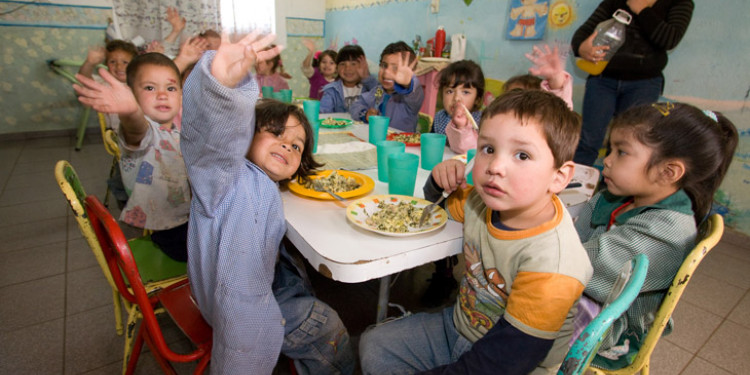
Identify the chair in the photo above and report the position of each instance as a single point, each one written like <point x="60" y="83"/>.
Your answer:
<point x="492" y="89"/>
<point x="424" y="123"/>
<point x="622" y="295"/>
<point x="713" y="228"/>
<point x="175" y="299"/>
<point x="157" y="269"/>
<point x="110" y="145"/>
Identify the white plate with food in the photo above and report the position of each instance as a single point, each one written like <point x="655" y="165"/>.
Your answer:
<point x="346" y="184"/>
<point x="394" y="215"/>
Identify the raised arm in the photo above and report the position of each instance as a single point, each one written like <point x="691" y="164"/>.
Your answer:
<point x="178" y="24"/>
<point x="95" y="57"/>
<point x="307" y="68"/>
<point x="190" y="52"/>
<point x="549" y="65"/>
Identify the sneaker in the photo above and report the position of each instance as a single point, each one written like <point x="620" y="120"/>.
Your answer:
<point x="439" y="291"/>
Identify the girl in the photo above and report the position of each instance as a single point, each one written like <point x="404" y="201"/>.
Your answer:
<point x="666" y="162"/>
<point x="461" y="85"/>
<point x="267" y="75"/>
<point x="320" y="70"/>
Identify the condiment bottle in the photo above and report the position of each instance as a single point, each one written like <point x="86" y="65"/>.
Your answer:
<point x="439" y="42"/>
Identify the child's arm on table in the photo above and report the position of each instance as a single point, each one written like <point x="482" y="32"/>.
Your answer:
<point x="363" y="107"/>
<point x="548" y="65"/>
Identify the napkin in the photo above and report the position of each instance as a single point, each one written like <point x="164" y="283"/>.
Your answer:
<point x="343" y="150"/>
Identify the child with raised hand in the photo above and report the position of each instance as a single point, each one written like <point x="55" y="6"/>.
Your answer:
<point x="237" y="219"/>
<point x="666" y="162"/>
<point x="151" y="164"/>
<point x="353" y="78"/>
<point x="525" y="267"/>
<point x="461" y="84"/>
<point x="271" y="73"/>
<point x="399" y="94"/>
<point x="319" y="68"/>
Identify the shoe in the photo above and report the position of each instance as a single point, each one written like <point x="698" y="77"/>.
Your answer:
<point x="439" y="291"/>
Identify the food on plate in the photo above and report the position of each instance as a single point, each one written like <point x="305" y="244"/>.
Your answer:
<point x="333" y="182"/>
<point x="396" y="218"/>
<point x="406" y="137"/>
<point x="334" y="122"/>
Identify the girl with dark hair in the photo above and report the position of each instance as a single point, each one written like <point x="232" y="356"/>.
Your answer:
<point x="319" y="68"/>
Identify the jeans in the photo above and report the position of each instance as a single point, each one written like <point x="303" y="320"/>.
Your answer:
<point x="415" y="343"/>
<point x="605" y="98"/>
<point x="314" y="335"/>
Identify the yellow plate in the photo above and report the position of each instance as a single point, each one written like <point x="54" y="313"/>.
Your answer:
<point x="358" y="211"/>
<point x="366" y="184"/>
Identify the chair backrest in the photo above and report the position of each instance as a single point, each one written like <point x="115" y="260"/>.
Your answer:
<point x="424" y="123"/>
<point x="623" y="293"/>
<point x="109" y="137"/>
<point x="492" y="89"/>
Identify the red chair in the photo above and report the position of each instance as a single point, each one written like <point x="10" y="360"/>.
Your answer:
<point x="175" y="299"/>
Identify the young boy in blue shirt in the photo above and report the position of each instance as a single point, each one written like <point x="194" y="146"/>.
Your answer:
<point x="353" y="79"/>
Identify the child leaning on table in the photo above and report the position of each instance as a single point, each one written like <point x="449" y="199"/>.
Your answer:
<point x="398" y="95"/>
<point x="152" y="168"/>
<point x="525" y="267"/>
<point x="666" y="162"/>
<point x="353" y="78"/>
<point x="237" y="220"/>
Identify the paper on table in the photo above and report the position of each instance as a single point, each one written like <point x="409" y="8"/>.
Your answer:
<point x="342" y="150"/>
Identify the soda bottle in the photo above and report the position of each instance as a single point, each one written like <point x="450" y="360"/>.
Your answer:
<point x="608" y="33"/>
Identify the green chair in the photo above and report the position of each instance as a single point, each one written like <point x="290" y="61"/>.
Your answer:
<point x="424" y="123"/>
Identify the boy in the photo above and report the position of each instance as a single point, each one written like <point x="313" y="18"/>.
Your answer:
<point x="353" y="79"/>
<point x="153" y="171"/>
<point x="399" y="94"/>
<point x="237" y="220"/>
<point x="525" y="267"/>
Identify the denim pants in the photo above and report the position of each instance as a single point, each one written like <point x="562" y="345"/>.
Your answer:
<point x="314" y="335"/>
<point x="605" y="98"/>
<point x="415" y="343"/>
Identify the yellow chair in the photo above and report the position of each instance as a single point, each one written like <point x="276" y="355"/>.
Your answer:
<point x="492" y="89"/>
<point x="157" y="270"/>
<point x="713" y="229"/>
<point x="111" y="146"/>
<point x="424" y="123"/>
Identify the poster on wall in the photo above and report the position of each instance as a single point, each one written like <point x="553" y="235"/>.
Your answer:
<point x="527" y="19"/>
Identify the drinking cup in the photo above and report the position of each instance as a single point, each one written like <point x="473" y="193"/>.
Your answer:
<point x="286" y="95"/>
<point x="267" y="91"/>
<point x="470" y="155"/>
<point x="277" y="95"/>
<point x="402" y="173"/>
<point x="378" y="128"/>
<point x="315" y="125"/>
<point x="384" y="149"/>
<point x="432" y="145"/>
<point x="312" y="110"/>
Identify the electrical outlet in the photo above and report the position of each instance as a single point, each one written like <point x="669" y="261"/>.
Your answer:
<point x="435" y="6"/>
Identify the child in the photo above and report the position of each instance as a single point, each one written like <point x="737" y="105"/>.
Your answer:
<point x="320" y="70"/>
<point x="213" y="38"/>
<point x="237" y="220"/>
<point x="267" y="75"/>
<point x="525" y="267"/>
<point x="152" y="167"/>
<point x="461" y="85"/>
<point x="353" y="79"/>
<point x="399" y="94"/>
<point x="665" y="164"/>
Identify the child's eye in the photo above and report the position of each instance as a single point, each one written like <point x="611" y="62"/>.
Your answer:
<point x="297" y="147"/>
<point x="522" y="156"/>
<point x="383" y="65"/>
<point x="466" y="92"/>
<point x="487" y="149"/>
<point x="149" y="88"/>
<point x="172" y="88"/>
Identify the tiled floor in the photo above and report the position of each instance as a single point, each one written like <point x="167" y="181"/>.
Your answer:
<point x="56" y="307"/>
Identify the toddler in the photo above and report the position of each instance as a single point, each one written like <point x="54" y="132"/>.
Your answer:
<point x="353" y="79"/>
<point x="666" y="162"/>
<point x="399" y="94"/>
<point x="257" y="306"/>
<point x="461" y="85"/>
<point x="271" y="73"/>
<point x="320" y="70"/>
<point x="525" y="267"/>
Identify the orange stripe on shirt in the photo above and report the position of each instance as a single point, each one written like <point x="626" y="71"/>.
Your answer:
<point x="542" y="300"/>
<point x="456" y="202"/>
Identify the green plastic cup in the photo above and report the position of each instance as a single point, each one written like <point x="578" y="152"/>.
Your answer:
<point x="432" y="145"/>
<point x="402" y="173"/>
<point x="384" y="149"/>
<point x="286" y="95"/>
<point x="312" y="110"/>
<point x="378" y="128"/>
<point x="470" y="155"/>
<point x="315" y="125"/>
<point x="267" y="91"/>
<point x="277" y="96"/>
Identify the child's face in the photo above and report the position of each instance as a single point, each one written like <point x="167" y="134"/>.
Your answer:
<point x="461" y="94"/>
<point x="626" y="167"/>
<point x="213" y="42"/>
<point x="157" y="90"/>
<point x="263" y="67"/>
<point x="279" y="156"/>
<point x="327" y="66"/>
<point x="117" y="63"/>
<point x="388" y="67"/>
<point x="349" y="72"/>
<point x="514" y="171"/>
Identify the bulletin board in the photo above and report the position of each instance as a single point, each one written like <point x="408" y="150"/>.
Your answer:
<point x="305" y="27"/>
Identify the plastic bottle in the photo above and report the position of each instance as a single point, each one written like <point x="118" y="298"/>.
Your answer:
<point x="608" y="33"/>
<point x="439" y="42"/>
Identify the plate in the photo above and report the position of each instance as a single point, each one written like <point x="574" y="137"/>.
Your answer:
<point x="342" y="122"/>
<point x="366" y="185"/>
<point x="390" y="137"/>
<point x="435" y="59"/>
<point x="358" y="211"/>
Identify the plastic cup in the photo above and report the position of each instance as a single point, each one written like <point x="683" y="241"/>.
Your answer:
<point x="286" y="95"/>
<point x="378" y="128"/>
<point x="402" y="173"/>
<point x="432" y="145"/>
<point x="277" y="96"/>
<point x="386" y="148"/>
<point x="267" y="91"/>
<point x="315" y="125"/>
<point x="312" y="110"/>
<point x="470" y="155"/>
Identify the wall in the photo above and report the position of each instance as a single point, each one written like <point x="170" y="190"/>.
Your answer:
<point x="708" y="68"/>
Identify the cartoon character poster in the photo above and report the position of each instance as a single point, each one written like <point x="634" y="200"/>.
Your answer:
<point x="527" y="19"/>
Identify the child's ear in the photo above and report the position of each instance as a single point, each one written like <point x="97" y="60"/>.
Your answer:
<point x="672" y="171"/>
<point x="562" y="177"/>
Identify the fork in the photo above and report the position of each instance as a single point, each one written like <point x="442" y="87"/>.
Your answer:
<point x="427" y="210"/>
<point x="327" y="190"/>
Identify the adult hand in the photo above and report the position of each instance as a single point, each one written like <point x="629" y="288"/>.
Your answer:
<point x="233" y="61"/>
<point x="112" y="97"/>
<point x="592" y="53"/>
<point x="449" y="175"/>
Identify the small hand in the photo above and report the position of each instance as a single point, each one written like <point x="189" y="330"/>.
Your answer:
<point x="173" y="17"/>
<point x="233" y="61"/>
<point x="403" y="72"/>
<point x="96" y="55"/>
<point x="371" y="112"/>
<point x="309" y="44"/>
<point x="547" y="62"/>
<point x="588" y="51"/>
<point x="193" y="48"/>
<point x="155" y="46"/>
<point x="363" y="70"/>
<point x="449" y="175"/>
<point x="459" y="116"/>
<point x="113" y="97"/>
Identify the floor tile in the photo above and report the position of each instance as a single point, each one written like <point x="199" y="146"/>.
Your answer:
<point x="735" y="250"/>
<point x="36" y="349"/>
<point x="669" y="359"/>
<point x="699" y="366"/>
<point x="39" y="192"/>
<point x="45" y="155"/>
<point x="88" y="289"/>
<point x="30" y="264"/>
<point x="741" y="313"/>
<point x="692" y="326"/>
<point x="27" y="235"/>
<point x="728" y="348"/>
<point x="91" y="340"/>
<point x="30" y="179"/>
<point x="80" y="255"/>
<point x="702" y="291"/>
<point x="31" y="303"/>
<point x="726" y="268"/>
<point x="34" y="211"/>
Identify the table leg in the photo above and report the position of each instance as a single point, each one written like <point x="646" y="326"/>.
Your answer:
<point x="383" y="294"/>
